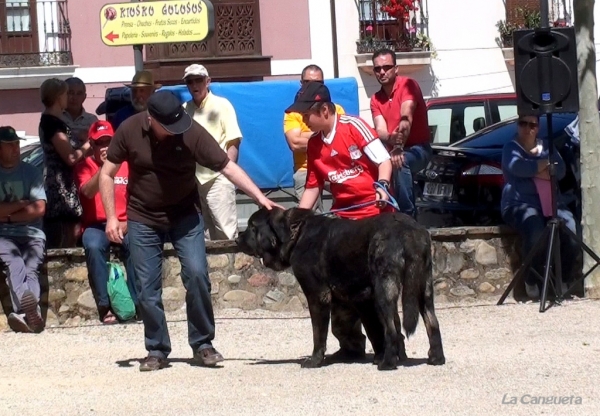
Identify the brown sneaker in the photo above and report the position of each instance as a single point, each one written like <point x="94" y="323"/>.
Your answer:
<point x="208" y="357"/>
<point x="17" y="323"/>
<point x="152" y="363"/>
<point x="30" y="307"/>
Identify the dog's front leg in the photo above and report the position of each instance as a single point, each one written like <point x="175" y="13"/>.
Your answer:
<point x="320" y="311"/>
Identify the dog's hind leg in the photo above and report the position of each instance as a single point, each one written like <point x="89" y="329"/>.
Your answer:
<point x="427" y="309"/>
<point x="319" y="306"/>
<point x="401" y="348"/>
<point x="373" y="327"/>
<point x="386" y="301"/>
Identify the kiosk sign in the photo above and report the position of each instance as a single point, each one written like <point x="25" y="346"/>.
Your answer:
<point x="142" y="23"/>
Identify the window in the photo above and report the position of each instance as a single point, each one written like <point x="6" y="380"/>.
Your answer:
<point x="474" y="118"/>
<point x="507" y="111"/>
<point x="34" y="33"/>
<point x="18" y="17"/>
<point x="380" y="30"/>
<point x="449" y="123"/>
<point x="439" y="124"/>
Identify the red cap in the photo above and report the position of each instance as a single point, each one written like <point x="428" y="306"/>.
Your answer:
<point x="100" y="128"/>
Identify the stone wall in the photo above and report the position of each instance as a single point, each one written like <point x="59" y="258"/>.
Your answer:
<point x="470" y="264"/>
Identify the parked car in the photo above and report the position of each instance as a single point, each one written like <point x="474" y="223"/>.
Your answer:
<point x="33" y="154"/>
<point x="462" y="185"/>
<point x="453" y="118"/>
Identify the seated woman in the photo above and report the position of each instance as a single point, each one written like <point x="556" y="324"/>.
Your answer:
<point x="527" y="200"/>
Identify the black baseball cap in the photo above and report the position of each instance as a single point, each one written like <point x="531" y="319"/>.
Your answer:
<point x="166" y="108"/>
<point x="312" y="92"/>
<point x="8" y="135"/>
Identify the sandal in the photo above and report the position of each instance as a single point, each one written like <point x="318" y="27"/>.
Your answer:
<point x="109" y="319"/>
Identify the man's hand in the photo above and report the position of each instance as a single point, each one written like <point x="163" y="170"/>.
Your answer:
<point x="123" y="227"/>
<point x="397" y="158"/>
<point x="114" y="231"/>
<point x="268" y="204"/>
<point x="403" y="130"/>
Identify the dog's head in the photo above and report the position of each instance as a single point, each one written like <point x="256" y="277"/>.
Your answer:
<point x="272" y="235"/>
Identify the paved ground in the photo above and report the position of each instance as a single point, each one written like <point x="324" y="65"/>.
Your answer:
<point x="493" y="354"/>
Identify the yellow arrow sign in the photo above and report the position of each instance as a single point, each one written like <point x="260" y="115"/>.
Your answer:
<point x="156" y="22"/>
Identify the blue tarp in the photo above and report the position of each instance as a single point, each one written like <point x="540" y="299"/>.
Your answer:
<point x="264" y="153"/>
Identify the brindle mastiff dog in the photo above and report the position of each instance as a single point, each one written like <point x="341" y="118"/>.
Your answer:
<point x="366" y="262"/>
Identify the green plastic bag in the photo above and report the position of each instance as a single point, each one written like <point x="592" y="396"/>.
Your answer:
<point x="118" y="292"/>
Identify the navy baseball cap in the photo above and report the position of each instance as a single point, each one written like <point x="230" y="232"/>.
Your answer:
<point x="312" y="92"/>
<point x="166" y="108"/>
<point x="8" y="135"/>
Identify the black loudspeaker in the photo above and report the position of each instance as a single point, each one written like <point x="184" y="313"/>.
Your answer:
<point x="546" y="71"/>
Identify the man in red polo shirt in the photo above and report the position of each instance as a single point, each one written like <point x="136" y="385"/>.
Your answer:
<point x="95" y="242"/>
<point x="346" y="152"/>
<point x="400" y="118"/>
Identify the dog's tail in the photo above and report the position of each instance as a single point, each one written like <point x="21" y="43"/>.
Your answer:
<point x="418" y="276"/>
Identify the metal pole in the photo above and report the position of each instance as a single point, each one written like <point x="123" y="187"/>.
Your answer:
<point x="544" y="13"/>
<point x="334" y="39"/>
<point x="138" y="58"/>
<point x="138" y="55"/>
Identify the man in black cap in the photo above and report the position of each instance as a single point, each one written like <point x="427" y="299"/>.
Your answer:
<point x="162" y="146"/>
<point x="346" y="152"/>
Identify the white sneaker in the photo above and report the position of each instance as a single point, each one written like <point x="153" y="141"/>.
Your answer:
<point x="533" y="291"/>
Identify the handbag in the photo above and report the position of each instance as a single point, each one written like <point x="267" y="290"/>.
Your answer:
<point x="118" y="293"/>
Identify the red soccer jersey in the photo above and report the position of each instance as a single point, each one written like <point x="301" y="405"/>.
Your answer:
<point x="341" y="160"/>
<point x="405" y="89"/>
<point x="93" y="210"/>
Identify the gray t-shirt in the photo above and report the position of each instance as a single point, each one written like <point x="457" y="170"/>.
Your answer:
<point x="22" y="182"/>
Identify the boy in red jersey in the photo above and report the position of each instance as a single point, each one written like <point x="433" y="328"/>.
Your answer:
<point x="95" y="242"/>
<point x="346" y="152"/>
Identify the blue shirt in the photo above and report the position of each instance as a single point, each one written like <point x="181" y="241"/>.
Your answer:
<point x="22" y="182"/>
<point x="123" y="114"/>
<point x="519" y="167"/>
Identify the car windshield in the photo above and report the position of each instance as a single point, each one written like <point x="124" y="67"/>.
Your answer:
<point x="500" y="133"/>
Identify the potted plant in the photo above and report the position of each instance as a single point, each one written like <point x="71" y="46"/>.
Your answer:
<point x="531" y="20"/>
<point x="506" y="30"/>
<point x="422" y="42"/>
<point x="370" y="43"/>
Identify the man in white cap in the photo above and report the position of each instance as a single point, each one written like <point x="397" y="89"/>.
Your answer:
<point x="217" y="116"/>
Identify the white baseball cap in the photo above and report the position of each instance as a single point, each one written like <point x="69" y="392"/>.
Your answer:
<point x="195" y="69"/>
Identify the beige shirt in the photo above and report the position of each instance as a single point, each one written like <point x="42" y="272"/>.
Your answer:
<point x="81" y="125"/>
<point x="217" y="116"/>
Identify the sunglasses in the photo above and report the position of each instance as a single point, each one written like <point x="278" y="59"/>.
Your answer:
<point x="385" y="68"/>
<point x="523" y="123"/>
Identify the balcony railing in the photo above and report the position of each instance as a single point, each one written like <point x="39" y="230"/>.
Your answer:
<point x="525" y="14"/>
<point x="379" y="30"/>
<point x="34" y="33"/>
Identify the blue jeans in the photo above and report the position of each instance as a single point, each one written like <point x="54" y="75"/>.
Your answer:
<point x="97" y="250"/>
<point x="146" y="247"/>
<point x="416" y="159"/>
<point x="530" y="224"/>
<point x="22" y="258"/>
